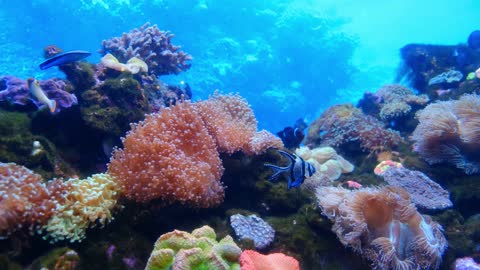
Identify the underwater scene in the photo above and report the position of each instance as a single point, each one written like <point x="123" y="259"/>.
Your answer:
<point x="239" y="135"/>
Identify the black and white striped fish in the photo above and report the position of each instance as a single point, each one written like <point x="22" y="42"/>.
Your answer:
<point x="298" y="170"/>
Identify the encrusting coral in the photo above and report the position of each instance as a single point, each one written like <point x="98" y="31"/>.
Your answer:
<point x="198" y="250"/>
<point x="252" y="260"/>
<point x="384" y="226"/>
<point x="173" y="155"/>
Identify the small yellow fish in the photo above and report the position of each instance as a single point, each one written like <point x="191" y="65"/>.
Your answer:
<point x="38" y="93"/>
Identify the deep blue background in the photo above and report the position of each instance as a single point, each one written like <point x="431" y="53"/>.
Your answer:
<point x="290" y="59"/>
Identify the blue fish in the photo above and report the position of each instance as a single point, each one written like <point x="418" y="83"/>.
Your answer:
<point x="298" y="169"/>
<point x="63" y="58"/>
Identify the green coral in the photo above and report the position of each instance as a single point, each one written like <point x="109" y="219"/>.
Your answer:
<point x="113" y="105"/>
<point x="198" y="250"/>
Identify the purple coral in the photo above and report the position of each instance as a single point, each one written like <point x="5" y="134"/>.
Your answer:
<point x="152" y="46"/>
<point x="466" y="263"/>
<point x="254" y="228"/>
<point x="15" y="91"/>
<point x="424" y="192"/>
<point x="449" y="131"/>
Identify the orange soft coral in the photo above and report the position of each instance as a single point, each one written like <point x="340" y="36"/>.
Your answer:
<point x="170" y="155"/>
<point x="384" y="226"/>
<point x="24" y="199"/>
<point x="231" y="121"/>
<point x="252" y="260"/>
<point x="174" y="155"/>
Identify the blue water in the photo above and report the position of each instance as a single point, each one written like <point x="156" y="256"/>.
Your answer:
<point x="289" y="59"/>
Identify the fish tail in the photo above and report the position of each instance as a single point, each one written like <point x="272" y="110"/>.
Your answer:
<point x="276" y="171"/>
<point x="53" y="105"/>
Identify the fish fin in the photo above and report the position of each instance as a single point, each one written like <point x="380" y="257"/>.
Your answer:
<point x="288" y="155"/>
<point x="53" y="105"/>
<point x="276" y="171"/>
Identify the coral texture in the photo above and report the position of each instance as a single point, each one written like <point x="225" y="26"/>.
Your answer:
<point x="341" y="124"/>
<point x="254" y="228"/>
<point x="15" y="91"/>
<point x="395" y="101"/>
<point x="252" y="260"/>
<point x="151" y="45"/>
<point x="384" y="226"/>
<point x="424" y="192"/>
<point x="174" y="155"/>
<point x="170" y="155"/>
<point x="179" y="250"/>
<point x="88" y="202"/>
<point x="449" y="131"/>
<point x="24" y="199"/>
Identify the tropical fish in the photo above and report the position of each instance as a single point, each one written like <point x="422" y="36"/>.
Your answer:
<point x="298" y="170"/>
<point x="38" y="93"/>
<point x="63" y="58"/>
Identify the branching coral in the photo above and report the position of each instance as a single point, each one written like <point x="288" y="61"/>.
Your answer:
<point x="384" y="226"/>
<point x="449" y="131"/>
<point x="174" y="155"/>
<point x="341" y="124"/>
<point x="151" y="45"/>
<point x="88" y="202"/>
<point x="395" y="101"/>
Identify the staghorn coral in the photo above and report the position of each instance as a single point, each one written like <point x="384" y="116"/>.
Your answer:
<point x="449" y="131"/>
<point x="252" y="260"/>
<point x="25" y="200"/>
<point x="88" y="202"/>
<point x="341" y="124"/>
<point x="384" y="226"/>
<point x="151" y="45"/>
<point x="174" y="155"/>
<point x="197" y="250"/>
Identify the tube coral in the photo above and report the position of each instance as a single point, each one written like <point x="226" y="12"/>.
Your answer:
<point x="449" y="131"/>
<point x="384" y="226"/>
<point x="174" y="155"/>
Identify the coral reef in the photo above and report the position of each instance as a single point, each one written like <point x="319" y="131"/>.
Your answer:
<point x="384" y="226"/>
<point x="341" y="124"/>
<point x="328" y="164"/>
<point x="88" y="203"/>
<point x="25" y="200"/>
<point x="170" y="155"/>
<point x="173" y="154"/>
<point x="448" y="131"/>
<point x="466" y="263"/>
<point x="424" y="192"/>
<point x="252" y="260"/>
<point x="391" y="101"/>
<point x="197" y="250"/>
<point x="446" y="77"/>
<point x="151" y="45"/>
<point x="15" y="91"/>
<point x="254" y="228"/>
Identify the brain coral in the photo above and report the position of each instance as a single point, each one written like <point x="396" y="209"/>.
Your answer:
<point x="179" y="250"/>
